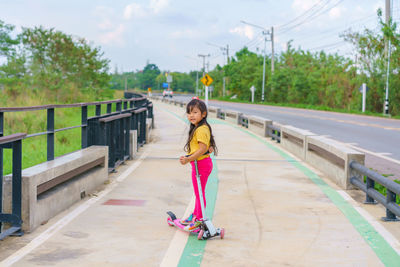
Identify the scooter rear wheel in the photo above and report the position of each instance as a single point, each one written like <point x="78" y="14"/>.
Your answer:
<point x="200" y="235"/>
<point x="222" y="233"/>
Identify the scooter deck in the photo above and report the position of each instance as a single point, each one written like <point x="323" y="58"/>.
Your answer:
<point x="173" y="221"/>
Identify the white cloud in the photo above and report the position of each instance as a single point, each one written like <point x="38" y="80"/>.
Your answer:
<point x="158" y="5"/>
<point x="246" y="31"/>
<point x="184" y="34"/>
<point x="335" y="13"/>
<point x="113" y="37"/>
<point x="103" y="11"/>
<point x="134" y="10"/>
<point x="106" y="24"/>
<point x="302" y="5"/>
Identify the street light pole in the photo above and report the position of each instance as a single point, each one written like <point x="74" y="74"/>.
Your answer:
<point x="388" y="12"/>
<point x="265" y="52"/>
<point x="265" y="32"/>
<point x="225" y="51"/>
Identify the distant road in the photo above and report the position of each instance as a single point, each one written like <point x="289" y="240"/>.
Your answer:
<point x="377" y="137"/>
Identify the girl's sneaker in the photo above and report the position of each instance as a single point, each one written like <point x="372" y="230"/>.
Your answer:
<point x="193" y="226"/>
<point x="188" y="220"/>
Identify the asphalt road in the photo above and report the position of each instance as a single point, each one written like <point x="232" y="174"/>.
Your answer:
<point x="379" y="138"/>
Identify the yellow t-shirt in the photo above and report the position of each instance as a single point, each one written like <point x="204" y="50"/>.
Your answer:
<point x="203" y="135"/>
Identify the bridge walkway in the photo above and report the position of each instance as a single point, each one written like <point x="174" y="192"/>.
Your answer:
<point x="276" y="210"/>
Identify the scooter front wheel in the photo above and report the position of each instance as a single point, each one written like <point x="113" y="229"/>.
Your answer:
<point x="222" y="233"/>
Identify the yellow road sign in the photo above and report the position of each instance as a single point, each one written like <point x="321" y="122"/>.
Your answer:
<point x="206" y="80"/>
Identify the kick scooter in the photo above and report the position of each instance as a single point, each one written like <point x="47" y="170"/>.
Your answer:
<point x="206" y="229"/>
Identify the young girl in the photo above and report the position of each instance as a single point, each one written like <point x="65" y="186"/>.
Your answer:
<point x="198" y="146"/>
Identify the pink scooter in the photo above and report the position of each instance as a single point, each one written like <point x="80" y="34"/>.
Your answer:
<point x="206" y="230"/>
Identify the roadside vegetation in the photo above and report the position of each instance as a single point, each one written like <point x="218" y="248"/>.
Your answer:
<point x="317" y="80"/>
<point x="45" y="66"/>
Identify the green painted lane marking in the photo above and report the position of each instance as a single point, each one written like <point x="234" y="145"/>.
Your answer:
<point x="193" y="253"/>
<point x="382" y="249"/>
<point x="379" y="245"/>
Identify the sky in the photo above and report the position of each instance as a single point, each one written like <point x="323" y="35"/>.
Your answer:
<point x="172" y="33"/>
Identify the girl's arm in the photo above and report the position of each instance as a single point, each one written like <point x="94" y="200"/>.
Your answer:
<point x="202" y="149"/>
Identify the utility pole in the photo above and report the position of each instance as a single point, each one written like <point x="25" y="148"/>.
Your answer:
<point x="388" y="13"/>
<point x="225" y="51"/>
<point x="265" y="32"/>
<point x="197" y="75"/>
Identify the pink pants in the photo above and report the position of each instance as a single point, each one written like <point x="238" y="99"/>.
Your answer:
<point x="205" y="167"/>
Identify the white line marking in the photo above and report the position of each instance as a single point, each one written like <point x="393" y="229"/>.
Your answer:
<point x="384" y="154"/>
<point x="374" y="153"/>
<point x="19" y="254"/>
<point x="178" y="243"/>
<point x="393" y="242"/>
<point x="351" y="144"/>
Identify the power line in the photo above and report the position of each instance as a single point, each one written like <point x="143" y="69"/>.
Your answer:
<point x="303" y="14"/>
<point x="312" y="16"/>
<point x="328" y="45"/>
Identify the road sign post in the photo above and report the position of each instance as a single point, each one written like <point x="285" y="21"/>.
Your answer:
<point x="364" y="96"/>
<point x="206" y="80"/>
<point x="363" y="89"/>
<point x="252" y="89"/>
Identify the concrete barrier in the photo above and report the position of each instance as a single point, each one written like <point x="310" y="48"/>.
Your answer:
<point x="294" y="140"/>
<point x="212" y="112"/>
<point x="259" y="125"/>
<point x="332" y="158"/>
<point x="53" y="186"/>
<point x="232" y="116"/>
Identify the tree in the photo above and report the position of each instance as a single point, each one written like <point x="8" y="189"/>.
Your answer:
<point x="7" y="43"/>
<point x="149" y="75"/>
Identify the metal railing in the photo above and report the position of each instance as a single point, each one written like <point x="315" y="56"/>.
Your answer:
<point x="115" y="132"/>
<point x="274" y="132"/>
<point x="15" y="217"/>
<point x="220" y="114"/>
<point x="243" y="121"/>
<point x="392" y="189"/>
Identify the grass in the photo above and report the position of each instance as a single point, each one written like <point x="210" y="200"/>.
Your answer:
<point x="381" y="189"/>
<point x="307" y="106"/>
<point x="34" y="149"/>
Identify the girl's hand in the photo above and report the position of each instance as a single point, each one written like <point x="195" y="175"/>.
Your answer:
<point x="211" y="150"/>
<point x="183" y="160"/>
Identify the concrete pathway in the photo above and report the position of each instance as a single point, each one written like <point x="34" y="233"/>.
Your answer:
<point x="276" y="212"/>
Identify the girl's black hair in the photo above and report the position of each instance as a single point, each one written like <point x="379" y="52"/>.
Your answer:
<point x="203" y="108"/>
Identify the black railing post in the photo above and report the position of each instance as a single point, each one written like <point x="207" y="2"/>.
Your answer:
<point x="84" y="133"/>
<point x="119" y="106"/>
<point x="125" y="105"/>
<point x="112" y="134"/>
<point x="131" y="104"/>
<point x="109" y="108"/>
<point x="143" y="129"/>
<point x="17" y="180"/>
<point x="120" y="140"/>
<point x="50" y="134"/>
<point x="1" y="165"/>
<point x="1" y="159"/>
<point x="1" y="123"/>
<point x="98" y="110"/>
<point x="370" y="184"/>
<point x="127" y="124"/>
<point x="390" y="198"/>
